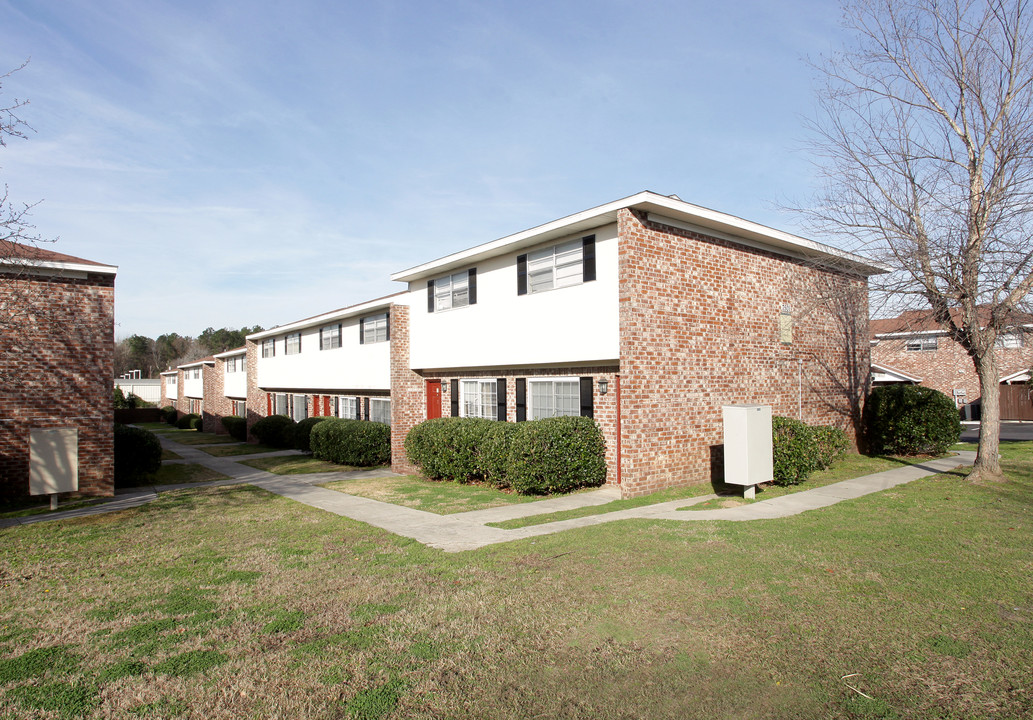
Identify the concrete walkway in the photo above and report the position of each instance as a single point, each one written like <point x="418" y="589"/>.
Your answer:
<point x="468" y="531"/>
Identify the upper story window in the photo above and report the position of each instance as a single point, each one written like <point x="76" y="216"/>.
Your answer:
<point x="563" y="265"/>
<point x="196" y="373"/>
<point x="452" y="291"/>
<point x="330" y="337"/>
<point x="374" y="329"/>
<point x="231" y="364"/>
<point x="269" y="348"/>
<point x="293" y="344"/>
<point x="171" y="380"/>
<point x="927" y="342"/>
<point x="1009" y="341"/>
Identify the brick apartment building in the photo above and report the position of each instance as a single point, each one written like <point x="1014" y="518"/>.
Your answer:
<point x="912" y="345"/>
<point x="648" y="314"/>
<point x="56" y="363"/>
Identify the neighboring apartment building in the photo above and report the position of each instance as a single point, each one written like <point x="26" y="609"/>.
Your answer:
<point x="913" y="344"/>
<point x="56" y="364"/>
<point x="336" y="364"/>
<point x="170" y="384"/>
<point x="648" y="314"/>
<point x="226" y="389"/>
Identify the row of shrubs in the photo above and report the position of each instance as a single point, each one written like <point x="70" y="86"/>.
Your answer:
<point x="551" y="455"/>
<point x="362" y="443"/>
<point x="799" y="449"/>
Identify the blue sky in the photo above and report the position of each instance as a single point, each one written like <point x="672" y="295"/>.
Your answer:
<point x="258" y="162"/>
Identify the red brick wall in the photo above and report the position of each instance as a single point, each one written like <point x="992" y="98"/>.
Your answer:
<point x="56" y="370"/>
<point x="949" y="367"/>
<point x="408" y="404"/>
<point x="699" y="329"/>
<point x="216" y="404"/>
<point x="256" y="402"/>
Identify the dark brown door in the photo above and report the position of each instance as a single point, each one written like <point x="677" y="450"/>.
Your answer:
<point x="433" y="399"/>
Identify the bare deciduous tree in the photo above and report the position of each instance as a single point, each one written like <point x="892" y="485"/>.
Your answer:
<point x="925" y="143"/>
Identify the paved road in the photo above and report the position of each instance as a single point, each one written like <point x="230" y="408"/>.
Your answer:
<point x="1010" y="430"/>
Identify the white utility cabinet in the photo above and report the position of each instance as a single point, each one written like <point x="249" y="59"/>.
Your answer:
<point x="747" y="446"/>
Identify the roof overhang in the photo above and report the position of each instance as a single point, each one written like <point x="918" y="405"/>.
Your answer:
<point x="197" y="363"/>
<point x="52" y="267"/>
<point x="1020" y="376"/>
<point x="231" y="353"/>
<point x="892" y="374"/>
<point x="659" y="208"/>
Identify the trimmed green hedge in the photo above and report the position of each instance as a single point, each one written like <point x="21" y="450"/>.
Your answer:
<point x="448" y="448"/>
<point x="351" y="442"/>
<point x="910" y="420"/>
<point x="830" y="444"/>
<point x="236" y="426"/>
<point x="556" y="455"/>
<point x="188" y="422"/>
<point x="137" y="455"/>
<point x="303" y="431"/>
<point x="275" y="431"/>
<point x="794" y="451"/>
<point x="542" y="456"/>
<point x="169" y="415"/>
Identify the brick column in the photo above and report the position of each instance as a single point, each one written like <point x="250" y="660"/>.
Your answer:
<point x="408" y="404"/>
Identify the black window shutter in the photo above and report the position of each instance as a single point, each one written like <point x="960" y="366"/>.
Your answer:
<point x="473" y="286"/>
<point x="522" y="275"/>
<point x="588" y="258"/>
<point x="502" y="399"/>
<point x="455" y="398"/>
<point x="362" y="331"/>
<point x="430" y="296"/>
<point x="358" y="409"/>
<point x="586" y="397"/>
<point x="521" y="399"/>
<point x="365" y="406"/>
<point x="387" y="326"/>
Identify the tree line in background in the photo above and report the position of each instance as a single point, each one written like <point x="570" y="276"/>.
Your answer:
<point x="152" y="356"/>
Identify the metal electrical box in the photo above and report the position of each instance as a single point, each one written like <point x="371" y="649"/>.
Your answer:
<point x="747" y="444"/>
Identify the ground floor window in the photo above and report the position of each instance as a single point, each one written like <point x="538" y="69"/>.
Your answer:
<point x="347" y="407"/>
<point x="239" y="408"/>
<point x="280" y="407"/>
<point x="380" y="410"/>
<point x="554" y="398"/>
<point x="479" y="399"/>
<point x="299" y="407"/>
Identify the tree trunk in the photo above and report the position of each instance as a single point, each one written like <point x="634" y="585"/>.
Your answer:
<point x="988" y="456"/>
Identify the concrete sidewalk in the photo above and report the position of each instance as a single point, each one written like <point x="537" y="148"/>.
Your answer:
<point x="468" y="531"/>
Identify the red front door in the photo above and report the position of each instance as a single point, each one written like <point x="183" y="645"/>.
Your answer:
<point x="433" y="399"/>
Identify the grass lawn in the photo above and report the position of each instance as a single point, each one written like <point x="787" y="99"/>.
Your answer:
<point x="241" y="449"/>
<point x="443" y="498"/>
<point x="169" y="455"/>
<point x="232" y="602"/>
<point x="295" y="465"/>
<point x="193" y="437"/>
<point x="184" y="473"/>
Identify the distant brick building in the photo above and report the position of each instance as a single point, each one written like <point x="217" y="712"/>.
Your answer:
<point x="913" y="344"/>
<point x="56" y="362"/>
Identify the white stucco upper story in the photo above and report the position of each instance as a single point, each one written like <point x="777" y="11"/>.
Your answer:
<point x="171" y="381"/>
<point x="346" y="349"/>
<point x="557" y="319"/>
<point x="493" y="317"/>
<point x="193" y="378"/>
<point x="234" y="367"/>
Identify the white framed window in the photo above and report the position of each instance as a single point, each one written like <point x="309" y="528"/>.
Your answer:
<point x="380" y="410"/>
<point x="330" y="337"/>
<point x="269" y="348"/>
<point x="452" y="291"/>
<point x="292" y="344"/>
<point x="374" y="329"/>
<point x="239" y="408"/>
<point x="235" y="364"/>
<point x="171" y="380"/>
<point x="347" y="407"/>
<point x="1009" y="341"/>
<point x="921" y="342"/>
<point x="478" y="399"/>
<point x="555" y="267"/>
<point x="554" y="397"/>
<point x="299" y="407"/>
<point x="197" y="373"/>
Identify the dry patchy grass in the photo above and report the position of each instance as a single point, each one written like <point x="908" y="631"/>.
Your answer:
<point x="231" y="602"/>
<point x="295" y="465"/>
<point x="239" y="449"/>
<point x="436" y="496"/>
